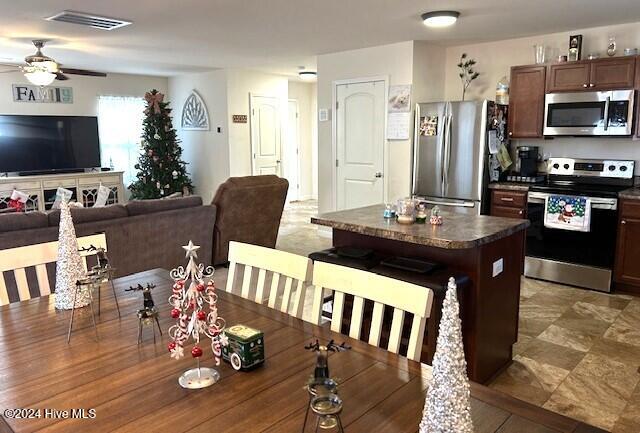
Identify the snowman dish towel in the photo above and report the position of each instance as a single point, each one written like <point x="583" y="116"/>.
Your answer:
<point x="568" y="212"/>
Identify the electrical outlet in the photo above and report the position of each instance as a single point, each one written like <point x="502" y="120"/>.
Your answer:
<point x="498" y="267"/>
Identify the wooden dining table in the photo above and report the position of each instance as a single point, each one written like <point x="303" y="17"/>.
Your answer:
<point x="125" y="387"/>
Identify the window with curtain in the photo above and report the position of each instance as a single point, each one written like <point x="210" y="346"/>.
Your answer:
<point x="120" y="123"/>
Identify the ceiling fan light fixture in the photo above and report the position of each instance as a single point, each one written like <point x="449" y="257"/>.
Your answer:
<point x="440" y="18"/>
<point x="40" y="77"/>
<point x="307" y="75"/>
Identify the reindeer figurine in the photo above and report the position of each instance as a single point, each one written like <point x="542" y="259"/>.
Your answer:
<point x="102" y="271"/>
<point x="148" y="314"/>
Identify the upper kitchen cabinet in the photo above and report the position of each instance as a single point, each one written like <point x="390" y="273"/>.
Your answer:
<point x="568" y="77"/>
<point x="526" y="101"/>
<point x="600" y="74"/>
<point x="617" y="73"/>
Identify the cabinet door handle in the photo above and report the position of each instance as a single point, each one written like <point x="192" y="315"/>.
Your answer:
<point x="623" y="222"/>
<point x="506" y="198"/>
<point x="520" y="212"/>
<point x="510" y="133"/>
<point x="584" y="85"/>
<point x="592" y="85"/>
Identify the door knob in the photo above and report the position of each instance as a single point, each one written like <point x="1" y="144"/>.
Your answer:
<point x="584" y="85"/>
<point x="623" y="222"/>
<point x="378" y="174"/>
<point x="592" y="85"/>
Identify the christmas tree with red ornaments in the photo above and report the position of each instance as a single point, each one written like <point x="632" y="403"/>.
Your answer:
<point x="194" y="306"/>
<point x="161" y="170"/>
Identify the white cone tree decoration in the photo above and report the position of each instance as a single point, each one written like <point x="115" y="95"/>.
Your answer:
<point x="69" y="267"/>
<point x="447" y="408"/>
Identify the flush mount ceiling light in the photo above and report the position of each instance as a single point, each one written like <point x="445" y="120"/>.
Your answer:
<point x="307" y="75"/>
<point x="440" y="18"/>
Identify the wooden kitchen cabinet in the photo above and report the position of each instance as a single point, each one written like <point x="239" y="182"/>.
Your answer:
<point x="626" y="271"/>
<point x="526" y="101"/>
<point x="610" y="74"/>
<point x="508" y="203"/>
<point x="592" y="75"/>
<point x="568" y="77"/>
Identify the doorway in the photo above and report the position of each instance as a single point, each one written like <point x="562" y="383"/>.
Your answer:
<point x="359" y="133"/>
<point x="265" y="135"/>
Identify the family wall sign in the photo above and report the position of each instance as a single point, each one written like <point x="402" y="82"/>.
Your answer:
<point x="44" y="94"/>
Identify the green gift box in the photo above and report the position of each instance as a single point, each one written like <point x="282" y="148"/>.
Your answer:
<point x="245" y="348"/>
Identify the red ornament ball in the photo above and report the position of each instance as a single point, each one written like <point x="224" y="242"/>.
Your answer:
<point x="201" y="315"/>
<point x="171" y="346"/>
<point x="200" y="287"/>
<point x="196" y="352"/>
<point x="175" y="313"/>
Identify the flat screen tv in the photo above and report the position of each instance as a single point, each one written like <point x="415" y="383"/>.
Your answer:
<point x="41" y="144"/>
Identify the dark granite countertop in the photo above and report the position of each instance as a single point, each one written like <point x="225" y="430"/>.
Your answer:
<point x="458" y="231"/>
<point x="513" y="186"/>
<point x="630" y="194"/>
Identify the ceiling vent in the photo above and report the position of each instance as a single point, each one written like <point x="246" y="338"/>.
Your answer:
<point x="95" y="21"/>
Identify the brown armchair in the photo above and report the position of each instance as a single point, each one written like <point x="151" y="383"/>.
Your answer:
<point x="248" y="210"/>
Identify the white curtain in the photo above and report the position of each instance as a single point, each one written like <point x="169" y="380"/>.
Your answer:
<point x="120" y="123"/>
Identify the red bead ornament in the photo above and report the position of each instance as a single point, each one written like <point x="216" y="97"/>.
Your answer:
<point x="171" y="346"/>
<point x="200" y="287"/>
<point x="196" y="352"/>
<point x="201" y="315"/>
<point x="175" y="313"/>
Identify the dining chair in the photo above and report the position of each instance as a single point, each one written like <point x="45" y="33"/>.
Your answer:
<point x="280" y="264"/>
<point x="403" y="297"/>
<point x="18" y="260"/>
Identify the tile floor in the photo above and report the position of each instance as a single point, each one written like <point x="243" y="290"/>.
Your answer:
<point x="578" y="351"/>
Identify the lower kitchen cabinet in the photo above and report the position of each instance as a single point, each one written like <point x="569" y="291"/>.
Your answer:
<point x="508" y="203"/>
<point x="627" y="262"/>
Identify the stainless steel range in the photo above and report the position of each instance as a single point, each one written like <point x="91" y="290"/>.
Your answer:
<point x="583" y="259"/>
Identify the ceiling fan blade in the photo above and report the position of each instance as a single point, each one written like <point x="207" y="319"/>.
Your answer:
<point x="60" y="76"/>
<point x="83" y="72"/>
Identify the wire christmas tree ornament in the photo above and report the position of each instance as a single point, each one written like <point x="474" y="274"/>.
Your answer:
<point x="195" y="309"/>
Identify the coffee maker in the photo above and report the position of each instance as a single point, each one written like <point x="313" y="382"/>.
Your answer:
<point x="527" y="163"/>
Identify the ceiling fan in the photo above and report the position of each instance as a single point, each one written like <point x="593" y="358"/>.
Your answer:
<point x="41" y="70"/>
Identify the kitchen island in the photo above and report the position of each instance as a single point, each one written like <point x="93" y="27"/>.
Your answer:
<point x="489" y="250"/>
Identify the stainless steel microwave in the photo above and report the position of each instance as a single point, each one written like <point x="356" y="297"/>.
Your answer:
<point x="589" y="113"/>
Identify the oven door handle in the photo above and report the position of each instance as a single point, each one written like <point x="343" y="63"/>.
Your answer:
<point x="596" y="202"/>
<point x="606" y="113"/>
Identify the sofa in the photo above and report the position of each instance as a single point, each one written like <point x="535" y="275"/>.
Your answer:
<point x="148" y="234"/>
<point x="141" y="235"/>
<point x="249" y="210"/>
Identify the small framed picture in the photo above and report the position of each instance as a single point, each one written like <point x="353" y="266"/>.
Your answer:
<point x="575" y="47"/>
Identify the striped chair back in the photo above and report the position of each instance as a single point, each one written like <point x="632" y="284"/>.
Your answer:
<point x="275" y="264"/>
<point x="18" y="264"/>
<point x="403" y="297"/>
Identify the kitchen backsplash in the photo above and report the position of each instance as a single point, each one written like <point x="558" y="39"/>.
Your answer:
<point x="585" y="147"/>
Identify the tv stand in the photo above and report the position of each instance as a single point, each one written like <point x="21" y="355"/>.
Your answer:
<point x="41" y="189"/>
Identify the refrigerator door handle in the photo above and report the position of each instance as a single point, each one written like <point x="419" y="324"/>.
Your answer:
<point x="447" y="152"/>
<point x="416" y="144"/>
<point x="448" y="203"/>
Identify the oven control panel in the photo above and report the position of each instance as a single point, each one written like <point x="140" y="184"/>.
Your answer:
<point x="591" y="167"/>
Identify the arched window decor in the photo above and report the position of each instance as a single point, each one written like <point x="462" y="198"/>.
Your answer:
<point x="194" y="113"/>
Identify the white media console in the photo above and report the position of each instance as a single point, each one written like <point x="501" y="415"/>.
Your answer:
<point x="42" y="188"/>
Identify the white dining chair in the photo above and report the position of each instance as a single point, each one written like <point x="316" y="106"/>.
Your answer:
<point x="294" y="269"/>
<point x="403" y="297"/>
<point x="18" y="260"/>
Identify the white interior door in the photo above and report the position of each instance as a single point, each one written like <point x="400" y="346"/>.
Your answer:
<point x="360" y="120"/>
<point x="265" y="135"/>
<point x="292" y="153"/>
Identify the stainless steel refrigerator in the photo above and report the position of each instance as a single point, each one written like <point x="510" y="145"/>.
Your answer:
<point x="450" y="154"/>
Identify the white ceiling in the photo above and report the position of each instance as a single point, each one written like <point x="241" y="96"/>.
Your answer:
<point x="175" y="36"/>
